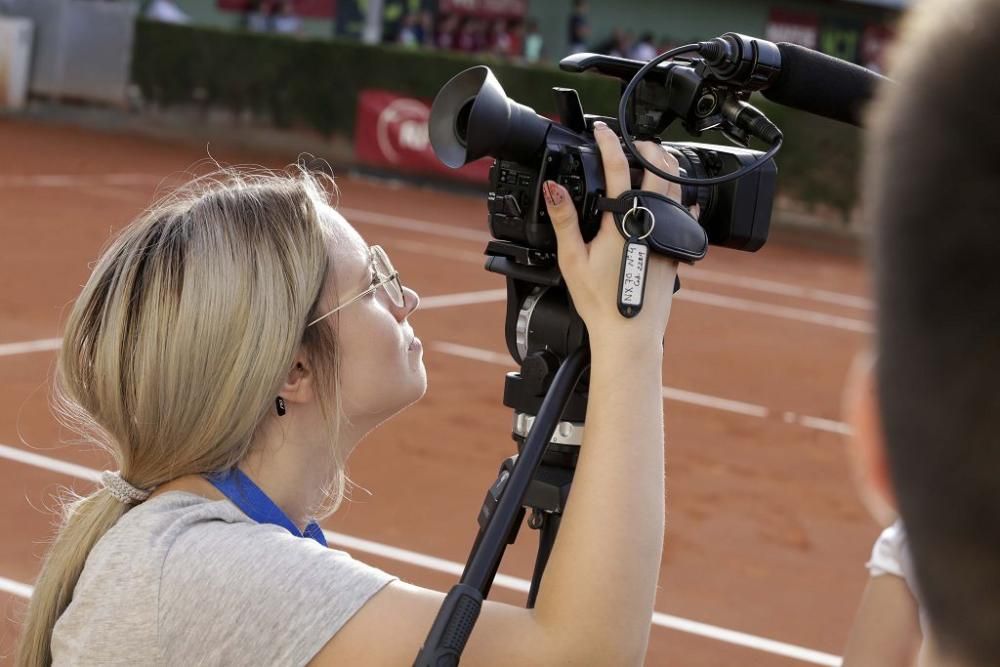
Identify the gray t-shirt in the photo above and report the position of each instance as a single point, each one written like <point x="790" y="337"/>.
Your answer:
<point x="183" y="580"/>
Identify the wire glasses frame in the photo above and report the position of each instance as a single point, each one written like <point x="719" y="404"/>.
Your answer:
<point x="385" y="276"/>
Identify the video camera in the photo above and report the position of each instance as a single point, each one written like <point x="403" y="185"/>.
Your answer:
<point x="472" y="117"/>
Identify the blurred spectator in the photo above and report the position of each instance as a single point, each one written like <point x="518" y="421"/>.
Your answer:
<point x="516" y="52"/>
<point x="472" y="36"/>
<point x="506" y="38"/>
<point x="410" y="33"/>
<point x="579" y="27"/>
<point x="427" y="28"/>
<point x="284" y="20"/>
<point x="250" y="9"/>
<point x="643" y="49"/>
<point x="501" y="41"/>
<point x="618" y="44"/>
<point x="257" y="17"/>
<point x="166" y="11"/>
<point x="466" y="38"/>
<point x="625" y="46"/>
<point x="611" y="44"/>
<point x="447" y="34"/>
<point x="533" y="42"/>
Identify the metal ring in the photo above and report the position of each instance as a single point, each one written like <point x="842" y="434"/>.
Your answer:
<point x="652" y="221"/>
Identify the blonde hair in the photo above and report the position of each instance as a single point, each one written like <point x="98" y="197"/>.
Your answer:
<point x="178" y="345"/>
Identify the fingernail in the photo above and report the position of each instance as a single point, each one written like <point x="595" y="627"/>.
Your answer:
<point x="600" y="125"/>
<point x="553" y="195"/>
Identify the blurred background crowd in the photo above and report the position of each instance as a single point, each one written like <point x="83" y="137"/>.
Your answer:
<point x="522" y="31"/>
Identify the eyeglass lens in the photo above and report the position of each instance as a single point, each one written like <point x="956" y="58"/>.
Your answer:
<point x="384" y="269"/>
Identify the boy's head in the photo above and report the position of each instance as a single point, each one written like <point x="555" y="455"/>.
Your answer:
<point x="927" y="423"/>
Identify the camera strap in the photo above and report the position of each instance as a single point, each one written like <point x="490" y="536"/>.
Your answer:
<point x="671" y="229"/>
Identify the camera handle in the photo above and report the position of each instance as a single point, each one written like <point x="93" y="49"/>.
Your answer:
<point x="460" y="610"/>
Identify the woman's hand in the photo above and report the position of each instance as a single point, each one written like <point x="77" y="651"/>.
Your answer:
<point x="591" y="270"/>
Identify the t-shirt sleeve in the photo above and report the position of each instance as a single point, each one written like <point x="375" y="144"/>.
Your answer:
<point x="889" y="553"/>
<point x="254" y="594"/>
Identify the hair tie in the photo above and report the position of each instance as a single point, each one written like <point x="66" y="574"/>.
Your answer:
<point x="121" y="490"/>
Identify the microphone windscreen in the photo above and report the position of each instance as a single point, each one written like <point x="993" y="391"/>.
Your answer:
<point x="817" y="83"/>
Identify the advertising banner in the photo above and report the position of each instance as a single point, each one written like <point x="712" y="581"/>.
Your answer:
<point x="317" y="9"/>
<point x="793" y="27"/>
<point x="508" y="9"/>
<point x="391" y="131"/>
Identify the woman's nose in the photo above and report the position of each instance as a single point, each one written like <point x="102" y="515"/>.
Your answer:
<point x="411" y="300"/>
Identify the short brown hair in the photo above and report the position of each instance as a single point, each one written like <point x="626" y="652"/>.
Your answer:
<point x="932" y="190"/>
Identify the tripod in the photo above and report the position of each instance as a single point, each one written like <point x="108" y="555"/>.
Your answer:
<point x="549" y="396"/>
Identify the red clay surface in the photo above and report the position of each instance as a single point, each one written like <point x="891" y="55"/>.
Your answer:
<point x="765" y="534"/>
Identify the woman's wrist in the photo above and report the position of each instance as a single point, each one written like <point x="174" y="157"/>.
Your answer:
<point x="642" y="349"/>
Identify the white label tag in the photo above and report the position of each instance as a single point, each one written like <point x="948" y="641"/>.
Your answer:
<point x="634" y="273"/>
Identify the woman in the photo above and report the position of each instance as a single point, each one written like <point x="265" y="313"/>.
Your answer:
<point x="231" y="348"/>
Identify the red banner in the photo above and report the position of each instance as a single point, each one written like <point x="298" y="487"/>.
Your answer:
<point x="509" y="9"/>
<point x="317" y="9"/>
<point x="391" y="131"/>
<point x="794" y="27"/>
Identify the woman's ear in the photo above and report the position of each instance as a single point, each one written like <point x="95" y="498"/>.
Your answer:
<point x="866" y="444"/>
<point x="298" y="386"/>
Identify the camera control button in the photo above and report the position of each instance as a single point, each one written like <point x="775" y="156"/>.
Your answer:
<point x="509" y="206"/>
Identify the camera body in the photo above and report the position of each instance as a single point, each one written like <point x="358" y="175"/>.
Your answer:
<point x="735" y="214"/>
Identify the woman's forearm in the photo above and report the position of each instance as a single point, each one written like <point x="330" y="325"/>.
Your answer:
<point x="600" y="581"/>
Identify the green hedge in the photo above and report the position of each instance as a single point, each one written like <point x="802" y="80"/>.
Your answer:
<point x="315" y="83"/>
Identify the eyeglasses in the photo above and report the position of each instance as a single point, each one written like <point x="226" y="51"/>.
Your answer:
<point x="385" y="276"/>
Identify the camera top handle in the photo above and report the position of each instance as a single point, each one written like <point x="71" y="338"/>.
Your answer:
<point x="704" y="93"/>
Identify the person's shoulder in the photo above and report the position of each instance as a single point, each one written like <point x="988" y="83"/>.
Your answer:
<point x="231" y="577"/>
<point x="179" y="525"/>
<point x="167" y="515"/>
<point x="122" y="572"/>
<point x="149" y="529"/>
<point x="212" y="542"/>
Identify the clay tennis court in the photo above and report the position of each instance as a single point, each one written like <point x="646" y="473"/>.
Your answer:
<point x="766" y="539"/>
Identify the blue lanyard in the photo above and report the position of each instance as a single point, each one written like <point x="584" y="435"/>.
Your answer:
<point x="250" y="498"/>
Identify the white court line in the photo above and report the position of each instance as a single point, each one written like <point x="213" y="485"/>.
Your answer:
<point x="693" y="296"/>
<point x="774" y="287"/>
<point x="488" y="356"/>
<point x="427" y="302"/>
<point x="15" y="587"/>
<point x="659" y="618"/>
<point x="821" y="424"/>
<point x="77" y="180"/>
<point x="785" y="312"/>
<point x="463" y="299"/>
<point x="10" y="349"/>
<point x="453" y="568"/>
<point x="475" y="353"/>
<point x="437" y="250"/>
<point x="410" y="224"/>
<point x="49" y="463"/>
<point x="704" y="275"/>
<point x="745" y="305"/>
<point x="669" y="393"/>
<point x="704" y="400"/>
<point x="453" y="231"/>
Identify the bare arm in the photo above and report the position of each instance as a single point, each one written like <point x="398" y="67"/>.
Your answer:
<point x="596" y="597"/>
<point x="886" y="631"/>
